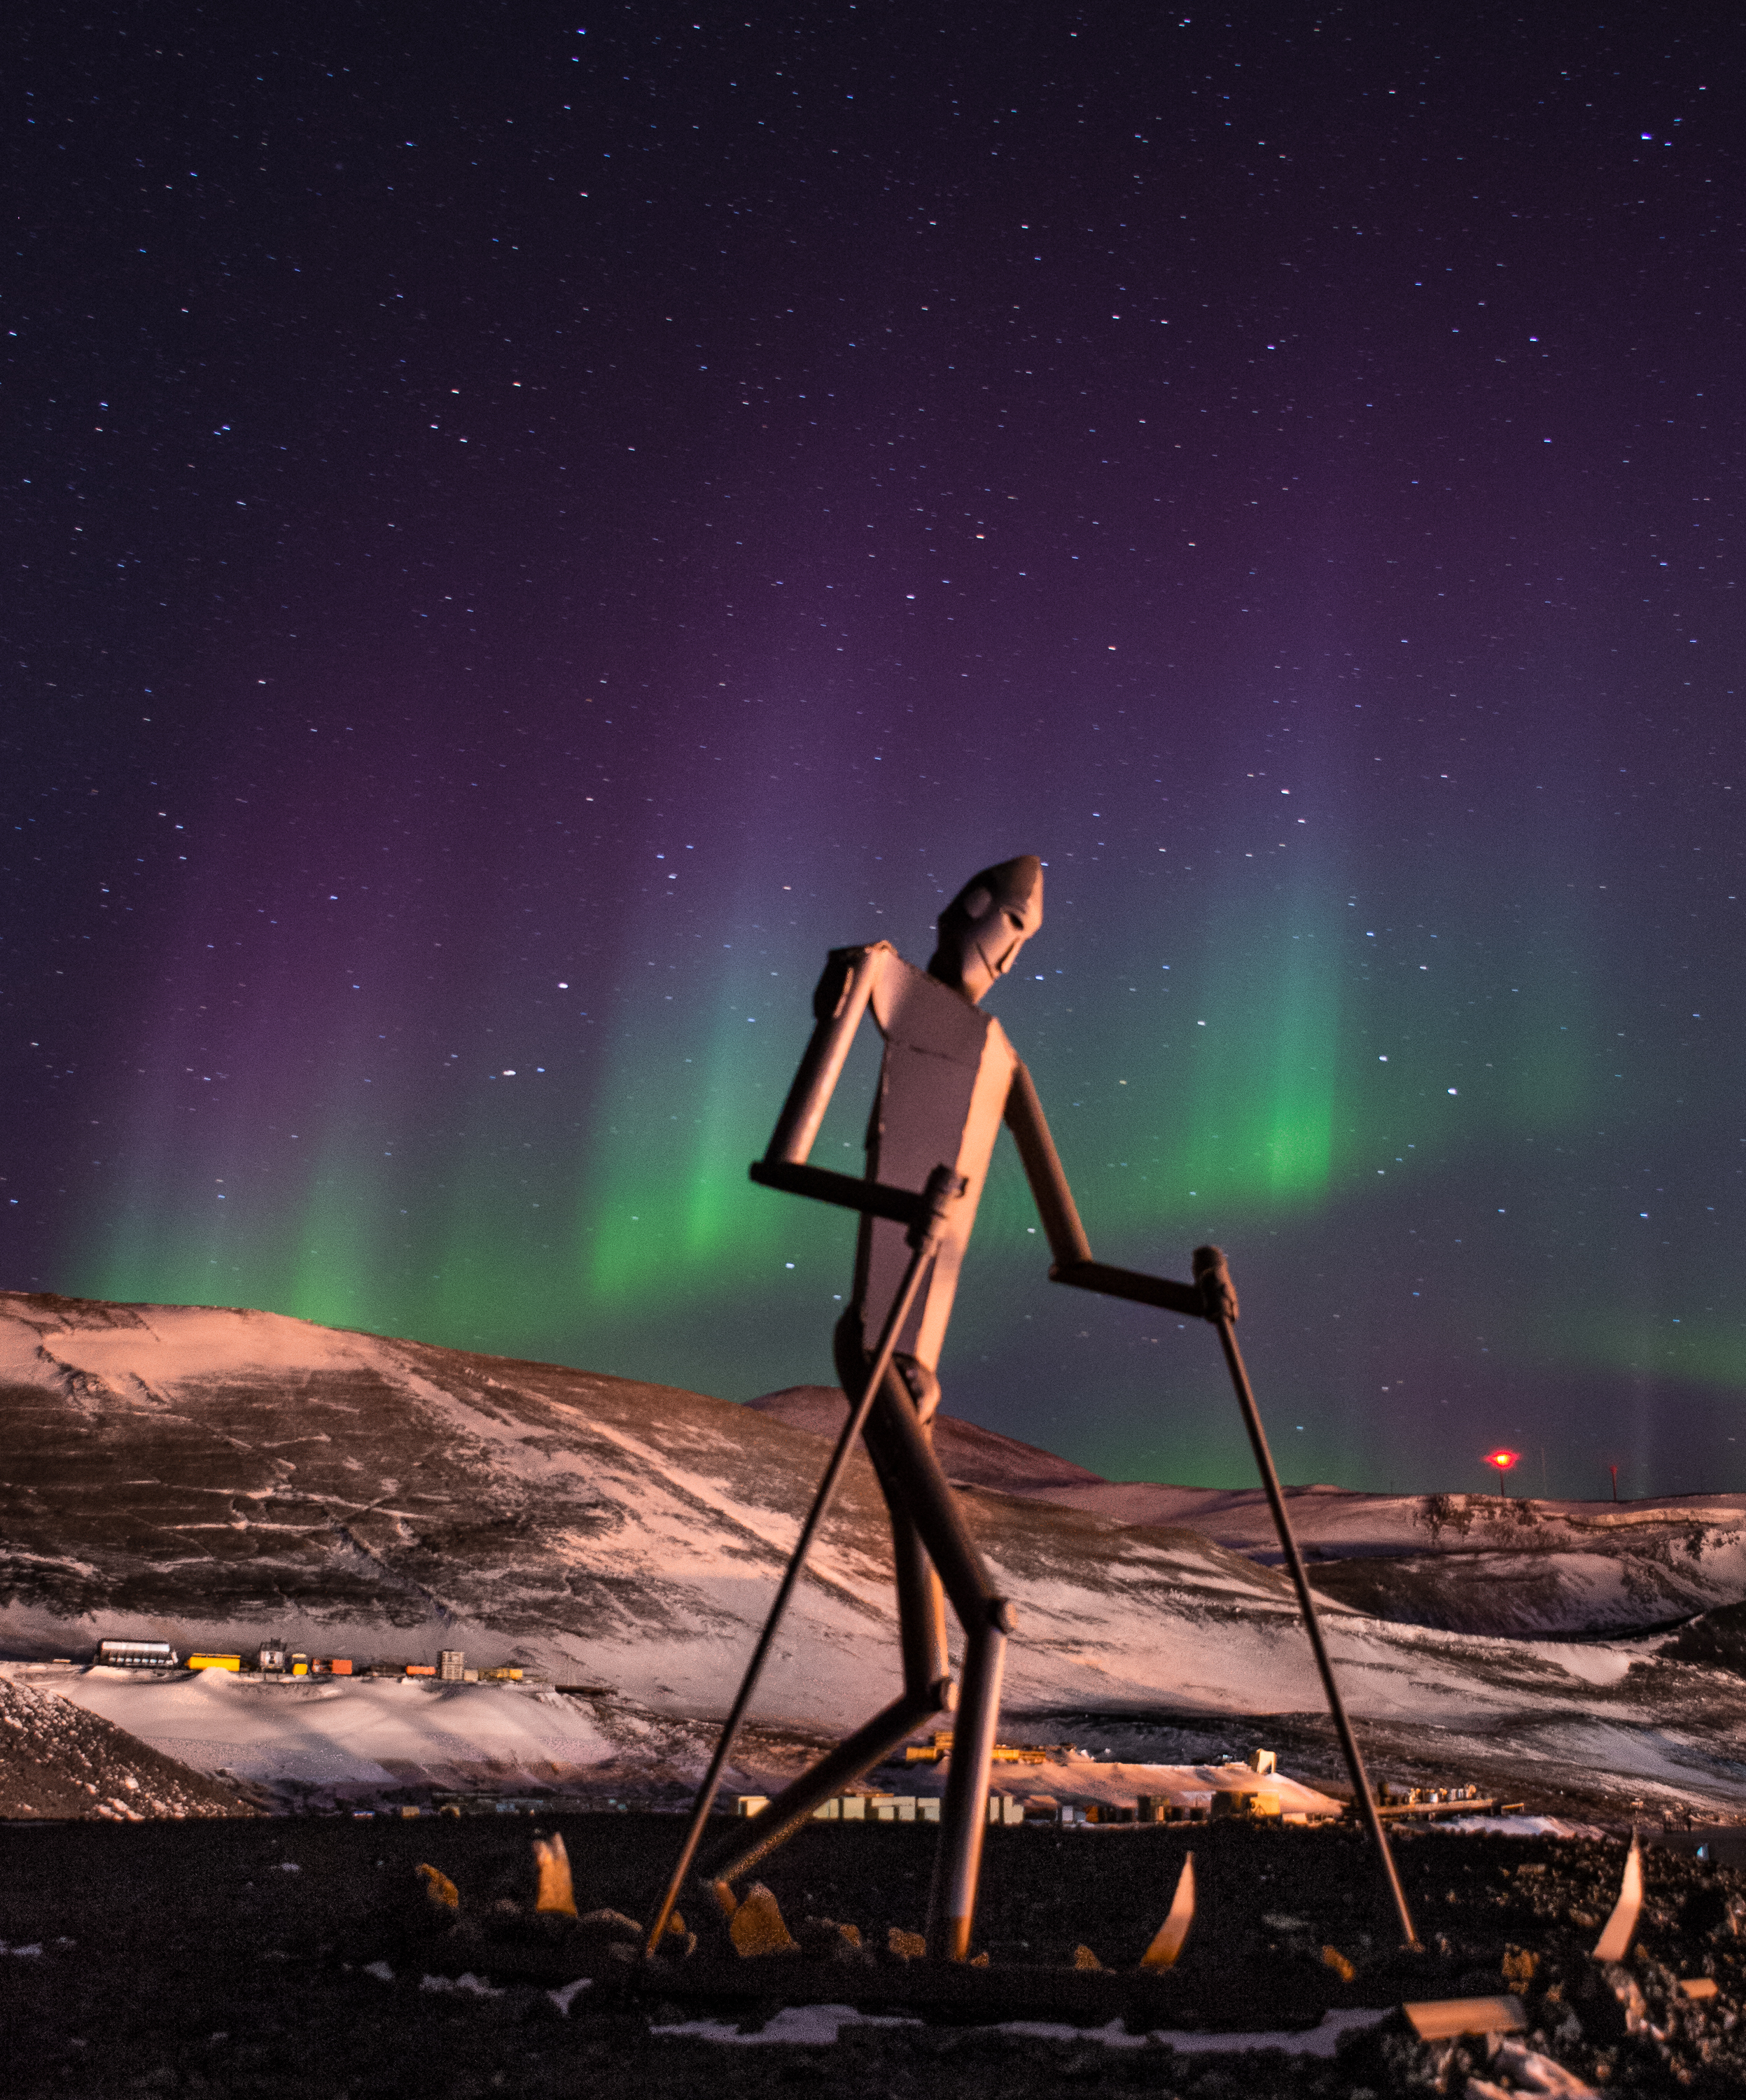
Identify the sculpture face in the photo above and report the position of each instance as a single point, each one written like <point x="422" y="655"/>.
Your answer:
<point x="986" y="923"/>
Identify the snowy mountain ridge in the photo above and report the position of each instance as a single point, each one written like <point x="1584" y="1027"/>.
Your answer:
<point x="208" y="1476"/>
<point x="1471" y="1563"/>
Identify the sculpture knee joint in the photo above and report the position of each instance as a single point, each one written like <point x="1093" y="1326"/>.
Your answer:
<point x="922" y="1385"/>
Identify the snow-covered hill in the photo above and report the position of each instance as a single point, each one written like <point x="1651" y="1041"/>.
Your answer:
<point x="210" y="1476"/>
<point x="1469" y="1563"/>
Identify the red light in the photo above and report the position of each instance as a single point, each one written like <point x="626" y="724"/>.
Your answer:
<point x="1501" y="1459"/>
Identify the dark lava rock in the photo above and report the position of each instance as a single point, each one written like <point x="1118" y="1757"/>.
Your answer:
<point x="1717" y="1637"/>
<point x="296" y="1958"/>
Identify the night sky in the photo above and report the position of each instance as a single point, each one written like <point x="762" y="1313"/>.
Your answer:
<point x="524" y="528"/>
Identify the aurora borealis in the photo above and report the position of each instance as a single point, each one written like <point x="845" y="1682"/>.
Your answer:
<point x="519" y="541"/>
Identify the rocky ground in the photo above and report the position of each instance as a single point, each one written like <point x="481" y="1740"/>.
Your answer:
<point x="304" y="1958"/>
<point x="56" y="1760"/>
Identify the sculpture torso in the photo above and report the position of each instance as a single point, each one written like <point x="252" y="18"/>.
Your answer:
<point x="942" y="1090"/>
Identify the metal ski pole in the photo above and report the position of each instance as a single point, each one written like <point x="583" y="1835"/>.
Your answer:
<point x="944" y="1187"/>
<point x="1210" y="1273"/>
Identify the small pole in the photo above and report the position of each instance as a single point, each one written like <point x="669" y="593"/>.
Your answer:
<point x="1614" y="1470"/>
<point x="1221" y="1308"/>
<point x="1503" y="1460"/>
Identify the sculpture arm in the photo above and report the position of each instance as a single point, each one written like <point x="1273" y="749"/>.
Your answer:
<point x="1067" y="1244"/>
<point x="1070" y="1249"/>
<point x="839" y="1002"/>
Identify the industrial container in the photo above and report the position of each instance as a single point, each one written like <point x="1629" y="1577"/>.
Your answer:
<point x="136" y="1654"/>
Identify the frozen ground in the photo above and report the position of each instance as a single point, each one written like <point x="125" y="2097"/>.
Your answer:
<point x="334" y="1739"/>
<point x="211" y="1476"/>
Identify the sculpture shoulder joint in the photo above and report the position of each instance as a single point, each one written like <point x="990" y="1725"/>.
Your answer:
<point x="843" y="967"/>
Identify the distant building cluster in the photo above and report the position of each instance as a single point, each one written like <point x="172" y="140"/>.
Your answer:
<point x="1201" y="1805"/>
<point x="272" y="1658"/>
<point x="1009" y="1809"/>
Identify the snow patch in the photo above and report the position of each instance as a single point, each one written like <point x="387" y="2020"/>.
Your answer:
<point x="814" y="2026"/>
<point x="1592" y="1665"/>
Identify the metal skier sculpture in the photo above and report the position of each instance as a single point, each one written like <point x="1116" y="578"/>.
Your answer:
<point x="948" y="1080"/>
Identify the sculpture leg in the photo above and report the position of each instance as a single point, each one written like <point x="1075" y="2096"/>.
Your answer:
<point x="958" y="1864"/>
<point x="857" y="1753"/>
<point x="928" y="1691"/>
<point x="921" y="1616"/>
<point x="903" y="1451"/>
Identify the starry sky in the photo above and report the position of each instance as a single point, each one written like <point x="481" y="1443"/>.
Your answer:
<point x="520" y="537"/>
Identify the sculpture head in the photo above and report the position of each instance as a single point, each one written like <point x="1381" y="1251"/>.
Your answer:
<point x="986" y="923"/>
